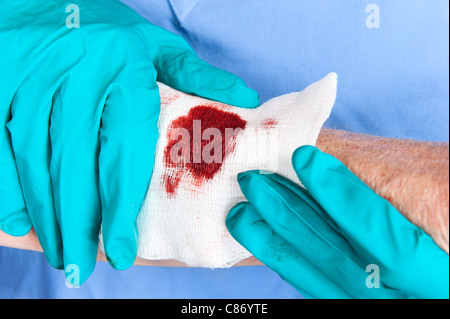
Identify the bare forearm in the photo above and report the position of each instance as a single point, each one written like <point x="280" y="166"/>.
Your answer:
<point x="412" y="175"/>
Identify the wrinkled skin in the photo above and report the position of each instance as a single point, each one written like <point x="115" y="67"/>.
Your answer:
<point x="412" y="175"/>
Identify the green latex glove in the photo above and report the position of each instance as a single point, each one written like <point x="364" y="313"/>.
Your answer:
<point x="321" y="239"/>
<point x="79" y="110"/>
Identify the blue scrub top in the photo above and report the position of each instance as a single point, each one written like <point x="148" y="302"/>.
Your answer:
<point x="393" y="81"/>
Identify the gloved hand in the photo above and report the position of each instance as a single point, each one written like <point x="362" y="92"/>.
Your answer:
<point x="79" y="110"/>
<point x="321" y="238"/>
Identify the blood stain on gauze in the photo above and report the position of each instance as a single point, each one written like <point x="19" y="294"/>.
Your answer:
<point x="167" y="100"/>
<point x="195" y="126"/>
<point x="183" y="214"/>
<point x="269" y="123"/>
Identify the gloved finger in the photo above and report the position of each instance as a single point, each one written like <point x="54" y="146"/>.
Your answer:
<point x="14" y="218"/>
<point x="379" y="233"/>
<point x="75" y="123"/>
<point x="31" y="78"/>
<point x="128" y="137"/>
<point x="300" y="199"/>
<point x="294" y="216"/>
<point x="30" y="110"/>
<point x="179" y="66"/>
<point x="256" y="235"/>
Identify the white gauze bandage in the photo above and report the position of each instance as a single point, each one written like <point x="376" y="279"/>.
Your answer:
<point x="202" y="147"/>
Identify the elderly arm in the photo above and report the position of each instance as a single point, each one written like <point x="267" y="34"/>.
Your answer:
<point x="412" y="175"/>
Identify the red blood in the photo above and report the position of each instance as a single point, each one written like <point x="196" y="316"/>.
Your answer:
<point x="167" y="100"/>
<point x="269" y="123"/>
<point x="171" y="183"/>
<point x="196" y="168"/>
